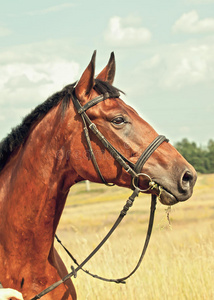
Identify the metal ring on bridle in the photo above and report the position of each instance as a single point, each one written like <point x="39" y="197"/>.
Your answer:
<point x="151" y="183"/>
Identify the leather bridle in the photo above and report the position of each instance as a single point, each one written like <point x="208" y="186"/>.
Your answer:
<point x="133" y="169"/>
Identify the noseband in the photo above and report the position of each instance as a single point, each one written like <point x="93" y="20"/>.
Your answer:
<point x="133" y="169"/>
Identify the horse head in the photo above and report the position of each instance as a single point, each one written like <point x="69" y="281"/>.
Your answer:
<point x="121" y="125"/>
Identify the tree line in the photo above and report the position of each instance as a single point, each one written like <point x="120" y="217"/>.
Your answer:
<point x="201" y="157"/>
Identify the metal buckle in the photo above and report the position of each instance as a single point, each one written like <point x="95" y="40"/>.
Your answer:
<point x="151" y="183"/>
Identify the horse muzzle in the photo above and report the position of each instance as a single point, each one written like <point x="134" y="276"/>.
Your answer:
<point x="172" y="191"/>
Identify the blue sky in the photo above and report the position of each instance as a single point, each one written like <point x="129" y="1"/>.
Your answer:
<point x="164" y="53"/>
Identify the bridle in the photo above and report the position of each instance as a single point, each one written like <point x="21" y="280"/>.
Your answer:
<point x="133" y="169"/>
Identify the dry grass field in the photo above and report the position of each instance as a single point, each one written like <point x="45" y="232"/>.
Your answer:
<point x="179" y="263"/>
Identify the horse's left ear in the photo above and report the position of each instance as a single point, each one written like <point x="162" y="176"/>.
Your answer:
<point x="86" y="82"/>
<point x="108" y="73"/>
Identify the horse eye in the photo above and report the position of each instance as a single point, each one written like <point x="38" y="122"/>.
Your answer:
<point x="118" y="121"/>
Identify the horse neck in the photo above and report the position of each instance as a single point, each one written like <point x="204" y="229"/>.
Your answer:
<point x="36" y="182"/>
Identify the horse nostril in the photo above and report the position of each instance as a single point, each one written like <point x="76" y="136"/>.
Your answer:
<point x="187" y="177"/>
<point x="187" y="181"/>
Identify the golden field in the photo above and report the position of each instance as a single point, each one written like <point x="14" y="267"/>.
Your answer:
<point x="179" y="263"/>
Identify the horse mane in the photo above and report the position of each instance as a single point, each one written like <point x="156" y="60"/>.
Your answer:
<point x="19" y="134"/>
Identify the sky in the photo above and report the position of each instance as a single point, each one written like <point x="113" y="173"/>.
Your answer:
<point x="164" y="57"/>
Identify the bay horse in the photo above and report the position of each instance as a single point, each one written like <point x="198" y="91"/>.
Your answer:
<point x="48" y="153"/>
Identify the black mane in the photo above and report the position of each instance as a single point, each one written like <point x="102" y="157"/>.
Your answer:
<point x="19" y="134"/>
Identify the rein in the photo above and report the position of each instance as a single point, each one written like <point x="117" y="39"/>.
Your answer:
<point x="132" y="169"/>
<point x="146" y="243"/>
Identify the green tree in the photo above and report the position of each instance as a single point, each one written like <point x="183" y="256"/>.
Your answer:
<point x="202" y="158"/>
<point x="210" y="155"/>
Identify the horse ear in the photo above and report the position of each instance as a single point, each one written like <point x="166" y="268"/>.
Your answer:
<point x="108" y="73"/>
<point x="86" y="82"/>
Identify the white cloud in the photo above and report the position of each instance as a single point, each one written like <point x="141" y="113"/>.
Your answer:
<point x="127" y="32"/>
<point x="191" y="23"/>
<point x="174" y="67"/>
<point x="200" y="1"/>
<point x="152" y="62"/>
<point x="4" y="31"/>
<point x="57" y="8"/>
<point x="29" y="74"/>
<point x="47" y="78"/>
<point x="188" y="65"/>
<point x="51" y="9"/>
<point x="40" y="63"/>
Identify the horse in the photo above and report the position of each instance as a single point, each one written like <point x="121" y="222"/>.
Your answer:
<point x="43" y="157"/>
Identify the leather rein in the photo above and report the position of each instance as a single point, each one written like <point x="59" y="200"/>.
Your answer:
<point x="132" y="169"/>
